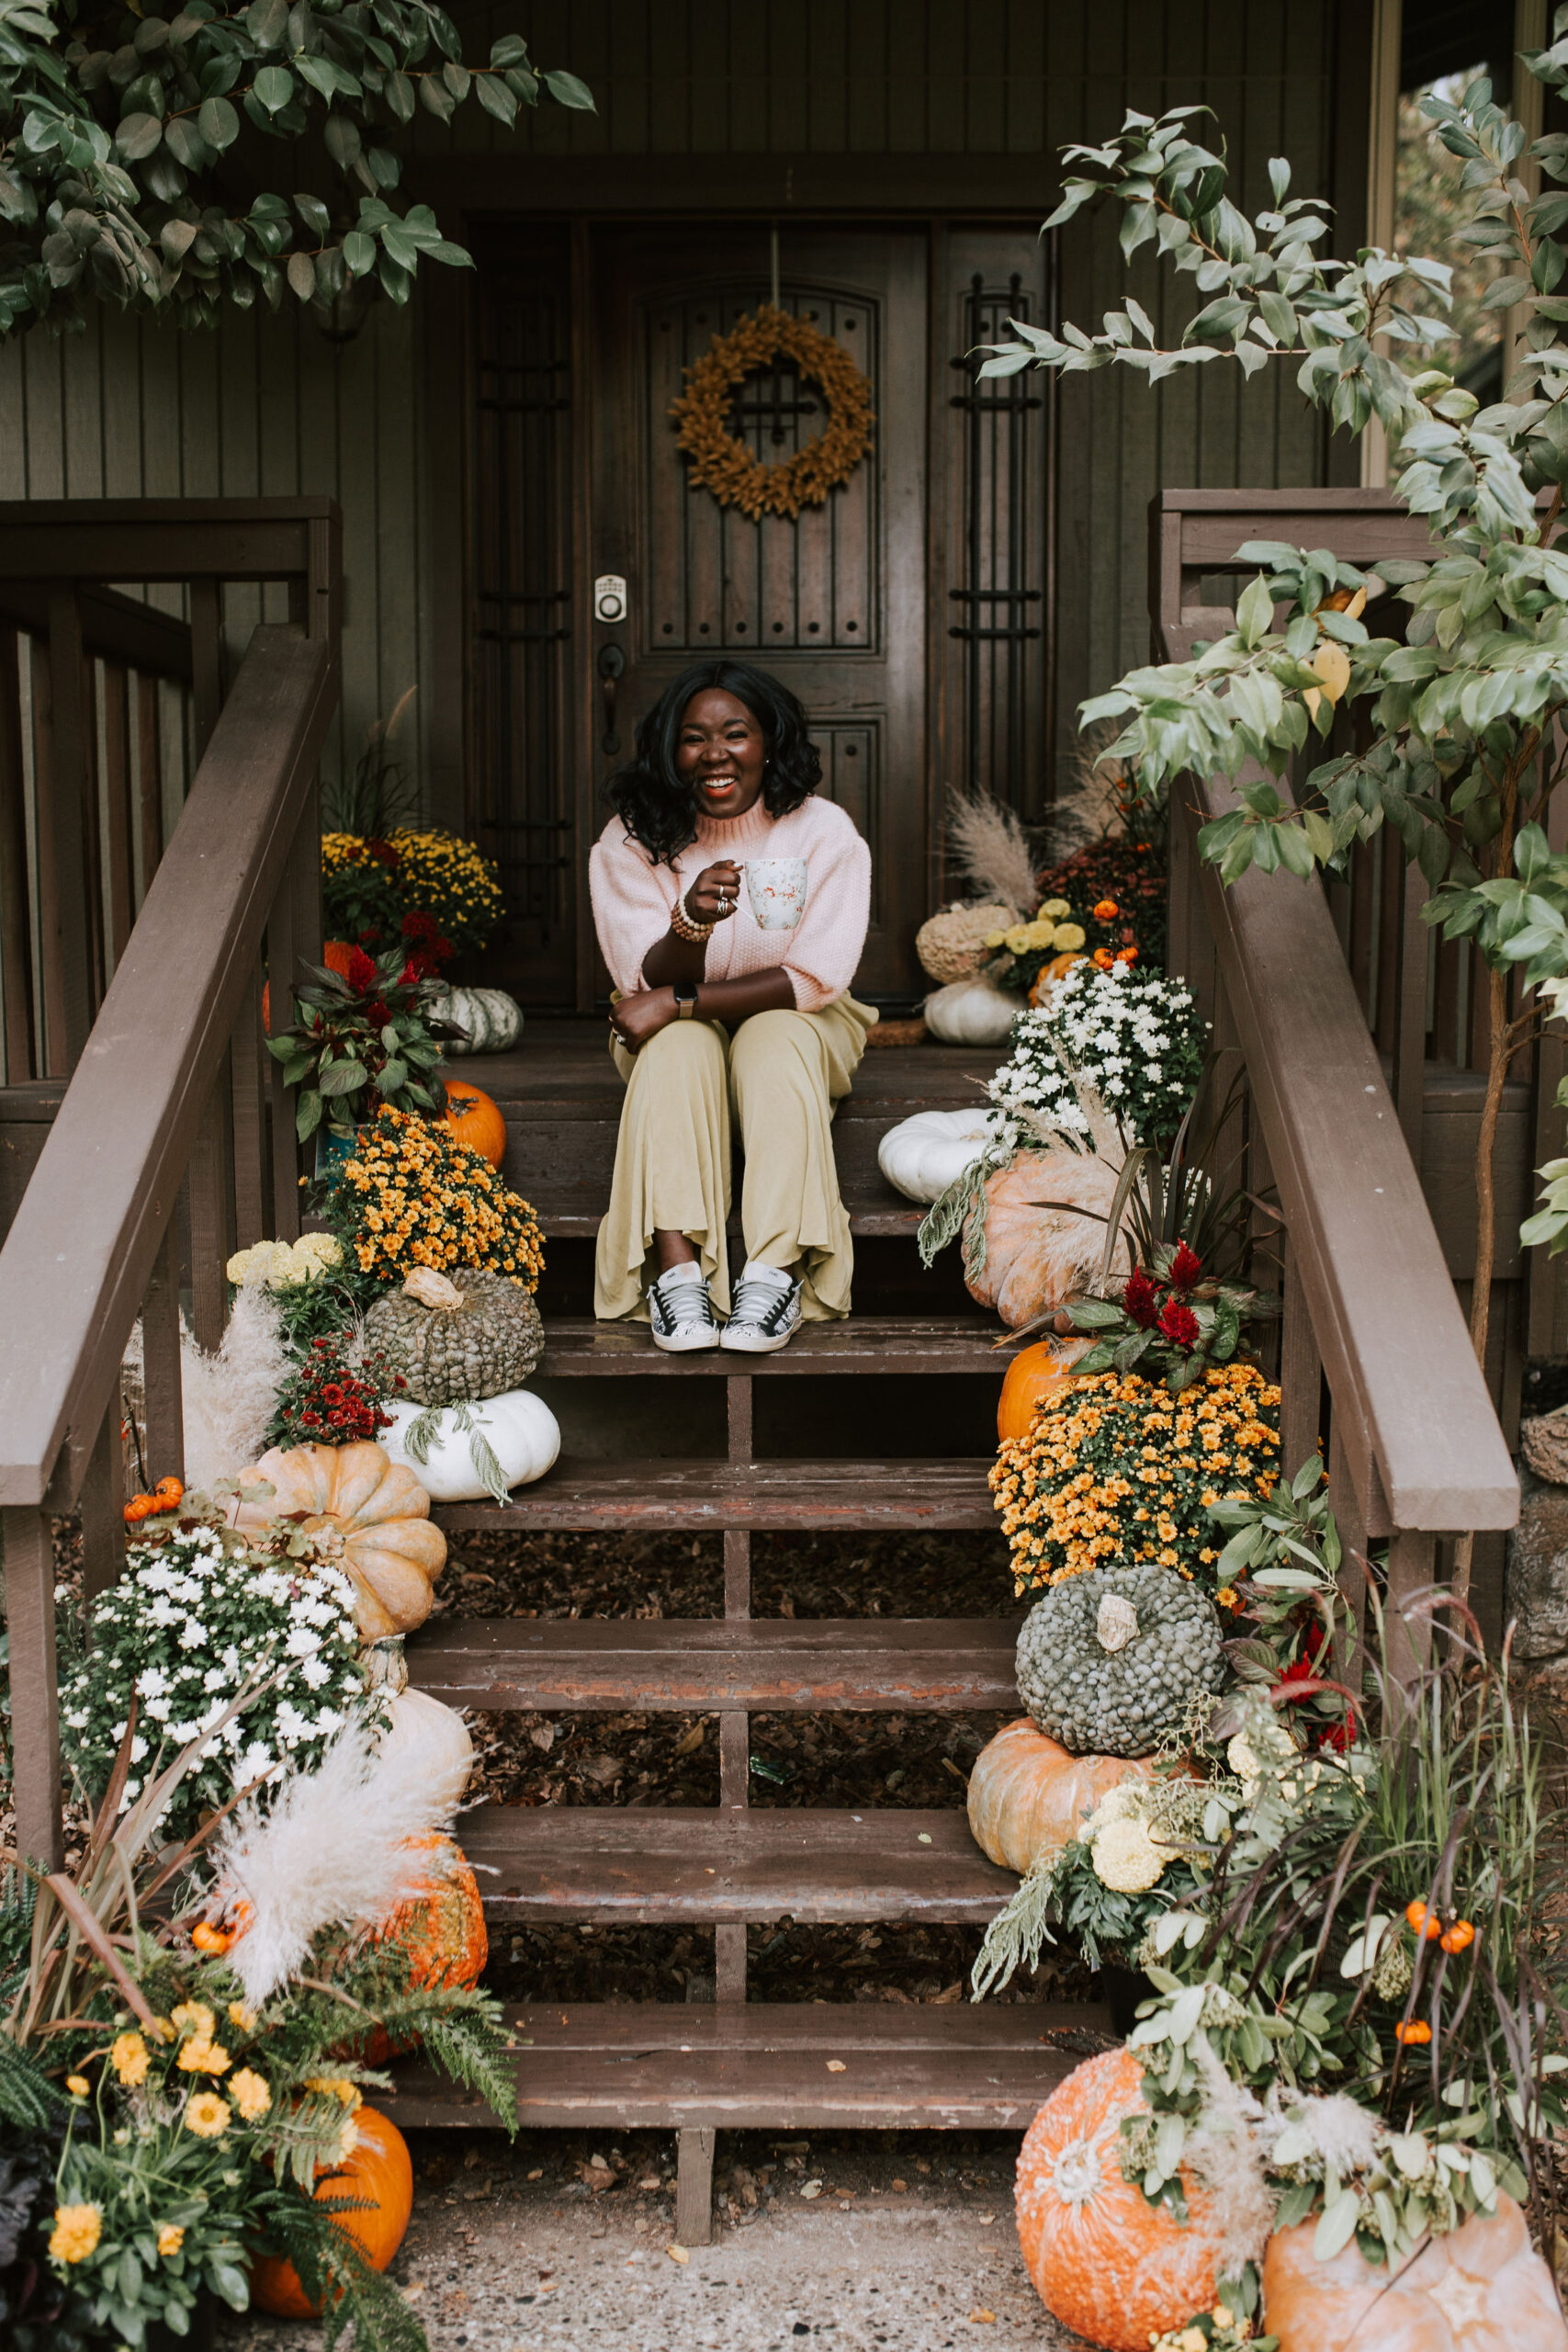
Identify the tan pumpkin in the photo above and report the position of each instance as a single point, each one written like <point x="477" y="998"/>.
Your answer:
<point x="1027" y="1795"/>
<point x="379" y="1513"/>
<point x="1036" y="1258"/>
<point x="1103" y="2259"/>
<point x="1482" y="2287"/>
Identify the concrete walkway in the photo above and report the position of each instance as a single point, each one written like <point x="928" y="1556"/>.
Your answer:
<point x="840" y="2240"/>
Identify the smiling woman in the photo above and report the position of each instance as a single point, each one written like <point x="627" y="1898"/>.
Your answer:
<point x="731" y="906"/>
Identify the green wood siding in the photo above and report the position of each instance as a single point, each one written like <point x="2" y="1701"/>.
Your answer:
<point x="266" y="405"/>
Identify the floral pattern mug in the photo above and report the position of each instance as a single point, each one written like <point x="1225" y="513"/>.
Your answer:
<point x="777" y="889"/>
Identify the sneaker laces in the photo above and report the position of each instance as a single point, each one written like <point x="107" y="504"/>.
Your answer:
<point x="682" y="1302"/>
<point x="761" y="1302"/>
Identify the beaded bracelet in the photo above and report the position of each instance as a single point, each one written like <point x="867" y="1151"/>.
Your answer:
<point x="683" y="926"/>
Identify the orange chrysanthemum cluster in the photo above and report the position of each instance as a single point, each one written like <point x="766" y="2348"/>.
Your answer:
<point x="413" y="1195"/>
<point x="1116" y="1470"/>
<point x="721" y="464"/>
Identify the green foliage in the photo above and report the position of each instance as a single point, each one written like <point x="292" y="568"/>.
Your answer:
<point x="361" y="1040"/>
<point x="125" y="138"/>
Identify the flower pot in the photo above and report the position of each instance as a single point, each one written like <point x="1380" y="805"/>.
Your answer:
<point x="332" y="1148"/>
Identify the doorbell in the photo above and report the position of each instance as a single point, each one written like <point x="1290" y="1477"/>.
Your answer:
<point x="610" y="597"/>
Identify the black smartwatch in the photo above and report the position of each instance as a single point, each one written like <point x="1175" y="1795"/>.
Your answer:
<point x="685" y="999"/>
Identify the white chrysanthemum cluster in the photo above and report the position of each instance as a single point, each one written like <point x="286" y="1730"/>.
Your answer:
<point x="283" y="1265"/>
<point x="1135" y="1038"/>
<point x="191" y="1623"/>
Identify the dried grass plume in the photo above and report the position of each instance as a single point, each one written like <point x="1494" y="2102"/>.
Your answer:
<point x="987" y="843"/>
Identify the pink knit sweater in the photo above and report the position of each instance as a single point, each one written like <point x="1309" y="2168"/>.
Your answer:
<point x="632" y="899"/>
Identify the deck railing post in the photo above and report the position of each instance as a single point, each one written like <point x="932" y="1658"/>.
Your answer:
<point x="209" y="1191"/>
<point x="16" y="912"/>
<point x="102" y="1506"/>
<point x="281" y="963"/>
<point x="163" y="1409"/>
<point x="28" y="1536"/>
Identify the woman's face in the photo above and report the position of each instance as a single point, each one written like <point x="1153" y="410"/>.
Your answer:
<point x="721" y="753"/>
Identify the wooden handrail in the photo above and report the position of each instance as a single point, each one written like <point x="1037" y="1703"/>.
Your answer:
<point x="1413" y="1421"/>
<point x="82" y="1249"/>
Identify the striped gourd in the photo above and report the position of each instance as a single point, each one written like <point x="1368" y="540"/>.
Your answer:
<point x="493" y="1020"/>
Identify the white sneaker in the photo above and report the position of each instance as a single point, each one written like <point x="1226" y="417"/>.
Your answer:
<point x="682" y="1312"/>
<point x="766" y="1313"/>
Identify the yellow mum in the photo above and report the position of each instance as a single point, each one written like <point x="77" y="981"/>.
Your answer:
<point x="250" y="2094"/>
<point x="78" y="2085"/>
<point x="76" y="2232"/>
<point x="194" y="2017"/>
<point x="203" y="2057"/>
<point x="170" y="2240"/>
<point x="208" y="2115"/>
<point x="130" y="2057"/>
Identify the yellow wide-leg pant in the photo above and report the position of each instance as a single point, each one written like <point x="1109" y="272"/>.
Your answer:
<point x="777" y="1081"/>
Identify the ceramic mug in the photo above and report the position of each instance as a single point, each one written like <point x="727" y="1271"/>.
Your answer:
<point x="777" y="887"/>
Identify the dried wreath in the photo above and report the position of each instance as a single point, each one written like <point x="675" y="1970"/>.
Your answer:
<point x="718" y="462"/>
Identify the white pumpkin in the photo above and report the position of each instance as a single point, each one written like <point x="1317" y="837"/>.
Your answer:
<point x="922" y="1156"/>
<point x="427" y="1744"/>
<point x="493" y="1020"/>
<point x="519" y="1427"/>
<point x="972" y="1012"/>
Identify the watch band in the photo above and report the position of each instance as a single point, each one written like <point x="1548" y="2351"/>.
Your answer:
<point x="685" y="1000"/>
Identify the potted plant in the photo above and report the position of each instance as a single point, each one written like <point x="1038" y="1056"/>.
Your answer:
<point x="361" y="1039"/>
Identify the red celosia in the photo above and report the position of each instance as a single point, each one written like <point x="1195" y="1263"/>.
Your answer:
<point x="1141" y="1299"/>
<point x="1178" y="1323"/>
<point x="1185" y="1269"/>
<point x="361" y="972"/>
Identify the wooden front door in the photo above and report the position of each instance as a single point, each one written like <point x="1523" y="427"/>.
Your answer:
<point x="833" y="603"/>
<point x="910" y="612"/>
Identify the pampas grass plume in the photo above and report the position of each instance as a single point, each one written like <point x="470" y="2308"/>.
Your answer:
<point x="228" y="1396"/>
<point x="328" y="1849"/>
<point x="989" y="845"/>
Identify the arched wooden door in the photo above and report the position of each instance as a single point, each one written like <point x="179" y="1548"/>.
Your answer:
<point x="832" y="602"/>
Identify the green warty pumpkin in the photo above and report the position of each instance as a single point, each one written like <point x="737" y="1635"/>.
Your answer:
<point x="1108" y="1661"/>
<point x="476" y="1334"/>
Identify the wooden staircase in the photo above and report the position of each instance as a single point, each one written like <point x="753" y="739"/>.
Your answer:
<point x="739" y="2062"/>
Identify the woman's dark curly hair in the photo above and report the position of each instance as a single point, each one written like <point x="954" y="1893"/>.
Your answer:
<point x="659" y="809"/>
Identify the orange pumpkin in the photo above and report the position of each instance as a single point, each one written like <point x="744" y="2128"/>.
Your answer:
<point x="475" y="1120"/>
<point x="441" y="1929"/>
<point x="378" y="2172"/>
<point x="1482" y="2287"/>
<point x="378" y="1511"/>
<point x="1050" y="973"/>
<point x="334" y="955"/>
<point x="1103" y="2259"/>
<point x="1027" y="1796"/>
<point x="1037" y="1258"/>
<point x="1034" y="1375"/>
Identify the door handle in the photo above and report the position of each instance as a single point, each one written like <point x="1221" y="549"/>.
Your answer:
<point x="612" y="666"/>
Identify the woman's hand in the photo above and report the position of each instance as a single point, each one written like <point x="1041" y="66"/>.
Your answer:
<point x="638" y="1018"/>
<point x="715" y="893"/>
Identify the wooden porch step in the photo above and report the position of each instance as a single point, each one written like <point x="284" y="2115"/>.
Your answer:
<point x="683" y="1866"/>
<point x="577" y="1348"/>
<point x="640" y="2065"/>
<point x="692" y="1665"/>
<point x="702" y="1496"/>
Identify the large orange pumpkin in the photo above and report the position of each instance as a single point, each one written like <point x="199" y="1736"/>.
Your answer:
<point x="441" y="1929"/>
<point x="1028" y="1797"/>
<point x="379" y="1513"/>
<point x="1036" y="1258"/>
<point x="1034" y="1375"/>
<point x="379" y="2172"/>
<point x="1103" y="2259"/>
<point x="1049" y="973"/>
<point x="475" y="1120"/>
<point x="334" y="955"/>
<point x="1482" y="2287"/>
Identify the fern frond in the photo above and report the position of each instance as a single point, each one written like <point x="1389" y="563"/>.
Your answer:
<point x="471" y="2049"/>
<point x="1018" y="1934"/>
<point x="335" y="2273"/>
<point x="28" y="2098"/>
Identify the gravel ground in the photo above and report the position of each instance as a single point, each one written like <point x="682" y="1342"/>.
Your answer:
<point x="860" y="2240"/>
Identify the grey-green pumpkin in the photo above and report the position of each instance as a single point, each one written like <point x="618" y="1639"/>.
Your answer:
<point x="491" y="1020"/>
<point x="1108" y="1662"/>
<point x="472" y="1334"/>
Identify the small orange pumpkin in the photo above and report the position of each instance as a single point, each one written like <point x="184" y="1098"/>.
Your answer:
<point x="1034" y="1375"/>
<point x="1480" y="2288"/>
<point x="475" y="1120"/>
<point x="1028" y="1797"/>
<point x="441" y="1929"/>
<point x="334" y="955"/>
<point x="1051" y="972"/>
<point x="378" y="2173"/>
<point x="1103" y="2259"/>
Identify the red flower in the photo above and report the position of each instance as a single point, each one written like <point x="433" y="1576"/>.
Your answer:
<point x="361" y="972"/>
<point x="1141" y="1299"/>
<point x="1185" y="1269"/>
<point x="375" y="1012"/>
<point x="1178" y="1323"/>
<point x="383" y="853"/>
